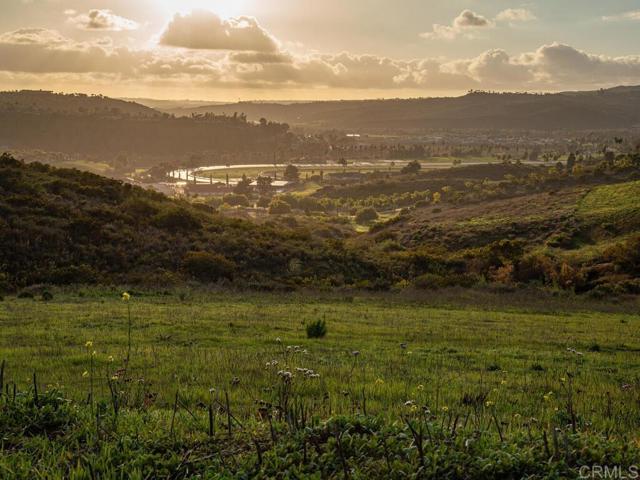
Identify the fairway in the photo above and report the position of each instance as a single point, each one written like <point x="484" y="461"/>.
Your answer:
<point x="379" y="353"/>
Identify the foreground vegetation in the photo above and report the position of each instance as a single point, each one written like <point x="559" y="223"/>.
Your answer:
<point x="219" y="384"/>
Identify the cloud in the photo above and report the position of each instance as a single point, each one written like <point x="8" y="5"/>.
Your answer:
<point x="203" y="30"/>
<point x="514" y="15"/>
<point x="462" y="24"/>
<point x="42" y="57"/>
<point x="104" y="20"/>
<point x="633" y="15"/>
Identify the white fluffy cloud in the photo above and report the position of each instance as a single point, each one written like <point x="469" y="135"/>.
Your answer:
<point x="464" y="23"/>
<point x="41" y="55"/>
<point x="633" y="15"/>
<point x="203" y="30"/>
<point x="101" y="19"/>
<point x="514" y="15"/>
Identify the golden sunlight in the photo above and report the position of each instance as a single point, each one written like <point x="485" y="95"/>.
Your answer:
<point x="224" y="8"/>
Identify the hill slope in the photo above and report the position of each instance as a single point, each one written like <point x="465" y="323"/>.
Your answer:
<point x="36" y="101"/>
<point x="66" y="226"/>
<point x="614" y="108"/>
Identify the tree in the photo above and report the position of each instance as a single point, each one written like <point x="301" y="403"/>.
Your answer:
<point x="243" y="187"/>
<point x="571" y="162"/>
<point x="264" y="185"/>
<point x="412" y="167"/>
<point x="366" y="215"/>
<point x="291" y="173"/>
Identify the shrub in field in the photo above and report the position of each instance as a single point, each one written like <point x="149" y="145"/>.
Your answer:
<point x="317" y="329"/>
<point x="366" y="215"/>
<point x="208" y="267"/>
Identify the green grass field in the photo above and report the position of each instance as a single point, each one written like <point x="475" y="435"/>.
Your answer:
<point x="518" y="359"/>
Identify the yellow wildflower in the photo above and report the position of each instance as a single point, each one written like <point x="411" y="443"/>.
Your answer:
<point x="85" y="374"/>
<point x="126" y="297"/>
<point x="379" y="381"/>
<point x="89" y="344"/>
<point x="445" y="409"/>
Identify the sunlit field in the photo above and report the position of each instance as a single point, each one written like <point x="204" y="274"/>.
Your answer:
<point x="378" y="354"/>
<point x="221" y="385"/>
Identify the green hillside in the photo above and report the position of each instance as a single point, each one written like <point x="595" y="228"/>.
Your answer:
<point x="65" y="226"/>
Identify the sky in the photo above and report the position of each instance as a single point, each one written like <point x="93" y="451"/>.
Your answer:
<point x="229" y="50"/>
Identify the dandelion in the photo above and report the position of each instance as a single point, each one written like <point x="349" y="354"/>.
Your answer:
<point x="420" y="388"/>
<point x="85" y="374"/>
<point x="379" y="382"/>
<point x="126" y="297"/>
<point x="88" y="344"/>
<point x="445" y="409"/>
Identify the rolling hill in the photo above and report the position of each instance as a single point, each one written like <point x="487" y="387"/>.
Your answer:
<point x="38" y="101"/>
<point x="62" y="226"/>
<point x="604" y="109"/>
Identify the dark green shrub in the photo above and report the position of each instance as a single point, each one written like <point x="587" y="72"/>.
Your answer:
<point x="366" y="215"/>
<point x="594" y="347"/>
<point x="208" y="267"/>
<point x="278" y="207"/>
<point x="236" y="200"/>
<point x="177" y="219"/>
<point x="317" y="329"/>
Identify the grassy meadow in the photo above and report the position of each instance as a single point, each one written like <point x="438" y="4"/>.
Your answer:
<point x="222" y="385"/>
<point x="379" y="353"/>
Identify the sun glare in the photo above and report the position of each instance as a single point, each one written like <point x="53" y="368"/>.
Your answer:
<point x="224" y="8"/>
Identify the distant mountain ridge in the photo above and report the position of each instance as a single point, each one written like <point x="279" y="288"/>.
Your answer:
<point x="614" y="108"/>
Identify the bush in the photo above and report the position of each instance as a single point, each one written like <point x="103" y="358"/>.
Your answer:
<point x="278" y="207"/>
<point x="317" y="329"/>
<point x="177" y="219"/>
<point x="412" y="167"/>
<point x="208" y="267"/>
<point x="366" y="215"/>
<point x="236" y="200"/>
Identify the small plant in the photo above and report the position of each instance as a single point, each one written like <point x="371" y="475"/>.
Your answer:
<point x="317" y="329"/>
<point x="595" y="347"/>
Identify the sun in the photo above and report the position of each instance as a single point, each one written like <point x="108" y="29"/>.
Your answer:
<point x="224" y="8"/>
